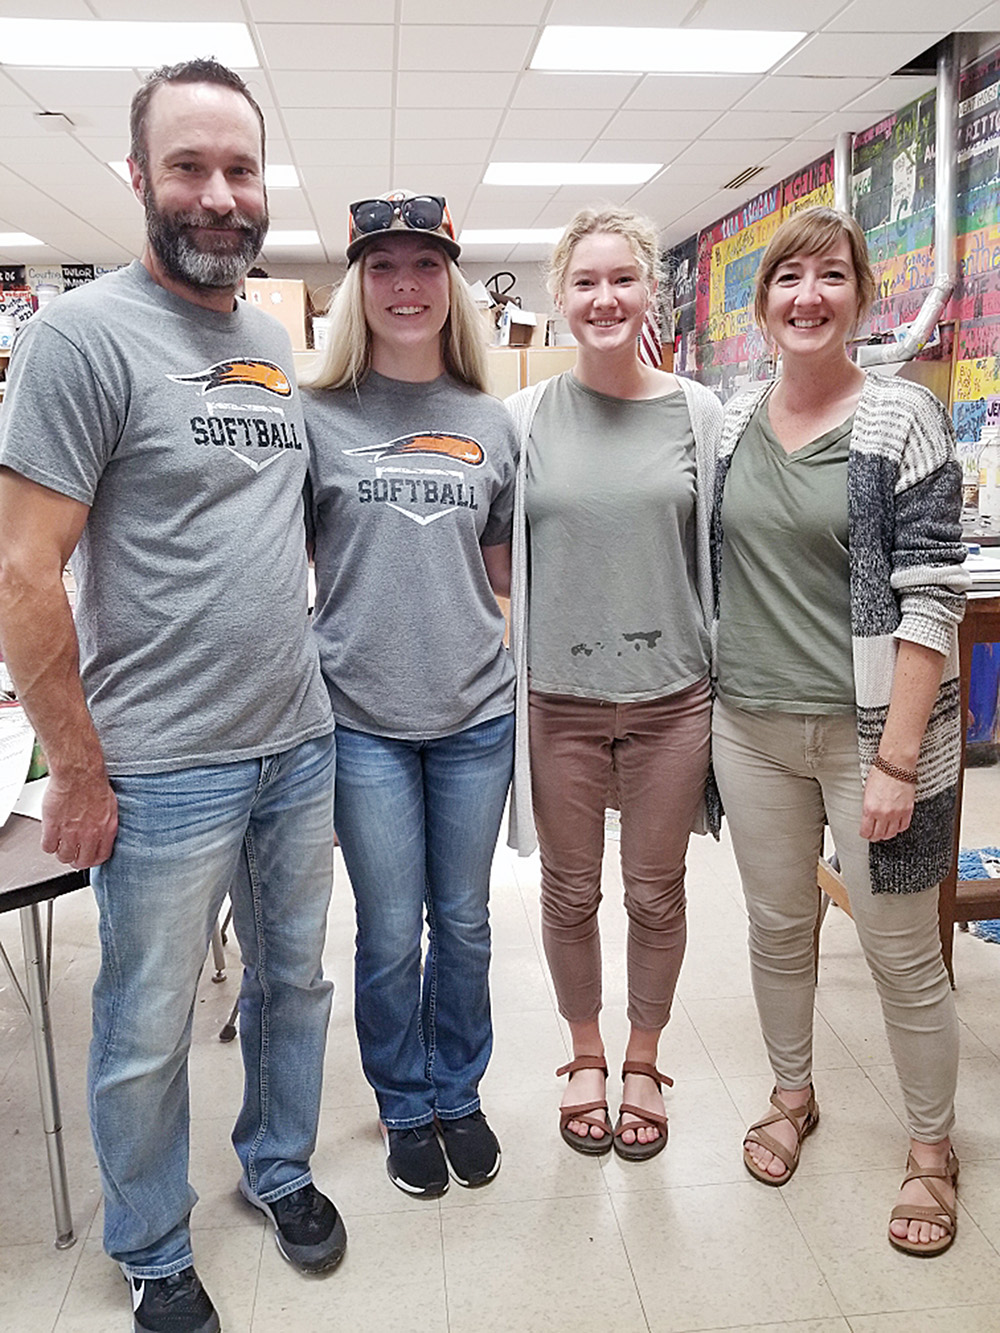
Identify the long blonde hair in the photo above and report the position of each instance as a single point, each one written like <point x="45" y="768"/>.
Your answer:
<point x="348" y="356"/>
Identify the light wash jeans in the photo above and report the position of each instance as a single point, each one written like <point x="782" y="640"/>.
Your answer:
<point x="262" y="828"/>
<point x="418" y="824"/>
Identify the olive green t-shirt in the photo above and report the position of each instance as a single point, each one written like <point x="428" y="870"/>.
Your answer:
<point x="610" y="500"/>
<point x="784" y="600"/>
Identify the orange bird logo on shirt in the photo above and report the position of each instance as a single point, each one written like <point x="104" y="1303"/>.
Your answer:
<point x="248" y="374"/>
<point x="462" y="448"/>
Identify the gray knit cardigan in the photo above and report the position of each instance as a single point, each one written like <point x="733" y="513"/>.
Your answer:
<point x="904" y="500"/>
<point x="706" y="420"/>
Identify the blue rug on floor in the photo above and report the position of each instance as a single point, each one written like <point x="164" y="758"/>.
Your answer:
<point x="971" y="865"/>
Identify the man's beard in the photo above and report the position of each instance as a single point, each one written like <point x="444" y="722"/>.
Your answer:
<point x="219" y="265"/>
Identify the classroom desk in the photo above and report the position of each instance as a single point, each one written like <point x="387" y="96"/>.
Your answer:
<point x="969" y="899"/>
<point x="28" y="877"/>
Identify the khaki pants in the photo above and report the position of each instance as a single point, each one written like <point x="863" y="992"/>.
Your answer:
<point x="778" y="773"/>
<point x="658" y="749"/>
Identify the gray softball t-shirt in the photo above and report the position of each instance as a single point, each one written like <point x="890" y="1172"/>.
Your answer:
<point x="181" y="429"/>
<point x="784" y="594"/>
<point x="610" y="500"/>
<point x="408" y="482"/>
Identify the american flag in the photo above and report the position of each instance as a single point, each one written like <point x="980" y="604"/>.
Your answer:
<point x="650" y="345"/>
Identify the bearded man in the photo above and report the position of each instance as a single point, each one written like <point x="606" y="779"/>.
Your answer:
<point x="152" y="430"/>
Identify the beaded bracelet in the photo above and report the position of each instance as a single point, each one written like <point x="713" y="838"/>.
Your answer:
<point x="900" y="774"/>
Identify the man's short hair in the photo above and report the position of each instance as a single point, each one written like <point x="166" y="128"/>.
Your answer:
<point x="203" y="70"/>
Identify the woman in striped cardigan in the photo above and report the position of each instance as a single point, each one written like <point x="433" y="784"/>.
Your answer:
<point x="838" y="588"/>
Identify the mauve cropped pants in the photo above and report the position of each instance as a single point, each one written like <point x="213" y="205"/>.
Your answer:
<point x="658" y="751"/>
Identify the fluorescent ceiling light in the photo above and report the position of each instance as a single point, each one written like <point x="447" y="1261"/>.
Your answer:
<point x="281" y="176"/>
<point x="11" y="240"/>
<point x="111" y="44"/>
<point x="570" y="173"/>
<point x="511" y="236"/>
<point x="290" y="238"/>
<point x="276" y="177"/>
<point x="662" y="50"/>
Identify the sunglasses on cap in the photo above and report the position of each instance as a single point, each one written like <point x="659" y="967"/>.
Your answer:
<point x="427" y="213"/>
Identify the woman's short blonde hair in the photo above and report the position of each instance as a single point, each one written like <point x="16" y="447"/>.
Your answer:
<point x="641" y="234"/>
<point x="348" y="356"/>
<point x="811" y="232"/>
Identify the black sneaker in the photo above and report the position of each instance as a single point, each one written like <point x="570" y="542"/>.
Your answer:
<point x="472" y="1148"/>
<point x="176" y="1304"/>
<point x="308" y="1230"/>
<point x="415" y="1162"/>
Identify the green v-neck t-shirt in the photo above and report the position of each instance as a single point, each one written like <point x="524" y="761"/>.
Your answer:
<point x="784" y="601"/>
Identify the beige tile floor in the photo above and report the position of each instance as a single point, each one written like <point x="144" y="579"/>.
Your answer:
<point x="557" y="1242"/>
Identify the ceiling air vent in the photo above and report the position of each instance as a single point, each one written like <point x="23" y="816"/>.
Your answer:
<point x="741" y="178"/>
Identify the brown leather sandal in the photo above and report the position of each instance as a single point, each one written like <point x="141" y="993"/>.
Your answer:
<point x="803" y="1120"/>
<point x="944" y="1215"/>
<point x="641" y="1152"/>
<point x="588" y="1145"/>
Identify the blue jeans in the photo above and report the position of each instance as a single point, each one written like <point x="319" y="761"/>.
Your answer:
<point x="262" y="829"/>
<point x="418" y="824"/>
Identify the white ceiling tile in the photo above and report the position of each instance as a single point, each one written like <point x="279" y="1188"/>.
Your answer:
<point x="172" y="11"/>
<point x="555" y="124"/>
<point x="308" y="11"/>
<point x="684" y="92"/>
<point x="781" y="93"/>
<point x="337" y="153"/>
<point x="756" y="124"/>
<point x="540" y="91"/>
<point x="427" y="123"/>
<point x="11" y="94"/>
<point x="788" y="161"/>
<point x="663" y="200"/>
<point x="301" y="124"/>
<point x="48" y="150"/>
<point x="540" y="150"/>
<point x="922" y="16"/>
<point x="484" y="88"/>
<point x="636" y="14"/>
<point x="465" y="48"/>
<point x="827" y="129"/>
<point x="493" y="206"/>
<point x="570" y="198"/>
<point x="289" y="207"/>
<point x="474" y="11"/>
<point x="319" y="88"/>
<point x="773" y="15"/>
<point x="330" y="191"/>
<point x="48" y="9"/>
<point x="669" y="126"/>
<point x="444" y="152"/>
<point x="987" y="20"/>
<point x="891" y="95"/>
<point x="63" y="89"/>
<point x="878" y="54"/>
<point x="721" y="152"/>
<point x="635" y="150"/>
<point x="332" y="46"/>
<point x="694" y="172"/>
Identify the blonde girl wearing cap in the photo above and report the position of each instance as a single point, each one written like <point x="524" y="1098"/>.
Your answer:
<point x="610" y="630"/>
<point x="412" y="478"/>
<point x="840" y="585"/>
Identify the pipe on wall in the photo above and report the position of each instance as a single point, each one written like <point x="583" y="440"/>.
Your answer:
<point x="945" y="172"/>
<point x="843" y="150"/>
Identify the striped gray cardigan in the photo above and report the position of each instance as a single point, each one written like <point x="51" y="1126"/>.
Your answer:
<point x="907" y="582"/>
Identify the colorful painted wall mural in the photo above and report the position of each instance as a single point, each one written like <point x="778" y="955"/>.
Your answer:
<point x="893" y="199"/>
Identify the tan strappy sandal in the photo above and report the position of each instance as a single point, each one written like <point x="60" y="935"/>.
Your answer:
<point x="588" y="1145"/>
<point x="641" y="1152"/>
<point x="944" y="1215"/>
<point x="803" y="1120"/>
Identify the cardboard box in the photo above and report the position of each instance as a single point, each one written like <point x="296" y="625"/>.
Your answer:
<point x="286" y="299"/>
<point x="520" y="328"/>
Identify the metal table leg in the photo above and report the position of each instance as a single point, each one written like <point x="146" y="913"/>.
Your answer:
<point x="48" y="1090"/>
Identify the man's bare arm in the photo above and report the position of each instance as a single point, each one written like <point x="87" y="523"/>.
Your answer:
<point x="39" y="529"/>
